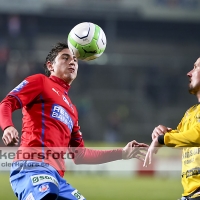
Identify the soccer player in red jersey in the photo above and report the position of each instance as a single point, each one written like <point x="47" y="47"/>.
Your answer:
<point x="49" y="128"/>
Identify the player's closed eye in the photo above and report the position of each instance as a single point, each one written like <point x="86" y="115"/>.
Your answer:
<point x="65" y="58"/>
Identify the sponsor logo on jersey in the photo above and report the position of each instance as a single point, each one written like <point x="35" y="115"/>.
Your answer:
<point x="43" y="178"/>
<point x="78" y="195"/>
<point x="197" y="117"/>
<point x="30" y="197"/>
<point x="67" y="102"/>
<point x="56" y="91"/>
<point x="20" y="86"/>
<point x="43" y="188"/>
<point x="59" y="113"/>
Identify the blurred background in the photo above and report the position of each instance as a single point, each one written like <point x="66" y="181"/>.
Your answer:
<point x="138" y="83"/>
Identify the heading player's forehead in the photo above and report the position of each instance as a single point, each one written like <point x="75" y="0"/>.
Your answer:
<point x="66" y="52"/>
<point x="197" y="63"/>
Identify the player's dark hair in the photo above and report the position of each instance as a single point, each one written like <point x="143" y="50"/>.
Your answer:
<point x="52" y="55"/>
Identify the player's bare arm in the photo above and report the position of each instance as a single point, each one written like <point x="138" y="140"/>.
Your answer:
<point x="10" y="136"/>
<point x="152" y="150"/>
<point x="159" y="130"/>
<point x="134" y="150"/>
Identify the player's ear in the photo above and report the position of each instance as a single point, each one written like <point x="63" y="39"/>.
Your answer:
<point x="49" y="66"/>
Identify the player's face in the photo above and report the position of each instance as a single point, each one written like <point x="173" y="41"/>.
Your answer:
<point x="65" y="66"/>
<point x="194" y="79"/>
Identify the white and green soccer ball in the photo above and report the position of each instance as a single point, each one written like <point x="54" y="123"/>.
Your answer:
<point x="87" y="41"/>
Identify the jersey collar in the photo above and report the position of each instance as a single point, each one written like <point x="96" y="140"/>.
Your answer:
<point x="60" y="82"/>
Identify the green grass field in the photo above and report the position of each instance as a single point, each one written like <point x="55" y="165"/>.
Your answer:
<point x="101" y="187"/>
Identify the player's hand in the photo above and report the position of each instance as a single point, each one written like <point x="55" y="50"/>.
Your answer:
<point x="152" y="150"/>
<point x="134" y="150"/>
<point x="159" y="130"/>
<point x="10" y="136"/>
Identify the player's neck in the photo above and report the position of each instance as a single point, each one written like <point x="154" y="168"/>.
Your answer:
<point x="60" y="82"/>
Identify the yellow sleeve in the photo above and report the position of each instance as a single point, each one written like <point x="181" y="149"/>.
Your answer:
<point x="189" y="138"/>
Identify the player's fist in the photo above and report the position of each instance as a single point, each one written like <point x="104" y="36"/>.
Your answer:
<point x="134" y="150"/>
<point x="10" y="136"/>
<point x="159" y="130"/>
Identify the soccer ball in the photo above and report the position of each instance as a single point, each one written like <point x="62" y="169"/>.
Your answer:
<point x="87" y="41"/>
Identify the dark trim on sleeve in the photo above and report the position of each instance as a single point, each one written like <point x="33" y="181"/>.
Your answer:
<point x="161" y="139"/>
<point x="16" y="98"/>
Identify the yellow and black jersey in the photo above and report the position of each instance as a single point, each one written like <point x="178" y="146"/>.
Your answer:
<point x="187" y="135"/>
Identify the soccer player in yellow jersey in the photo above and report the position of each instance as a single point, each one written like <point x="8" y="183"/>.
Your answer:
<point x="187" y="135"/>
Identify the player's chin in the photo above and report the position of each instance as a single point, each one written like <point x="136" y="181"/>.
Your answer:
<point x="68" y="78"/>
<point x="72" y="76"/>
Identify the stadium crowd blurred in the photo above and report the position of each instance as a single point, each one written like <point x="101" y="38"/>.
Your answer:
<point x="117" y="100"/>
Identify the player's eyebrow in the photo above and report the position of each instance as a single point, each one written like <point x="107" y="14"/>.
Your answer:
<point x="66" y="54"/>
